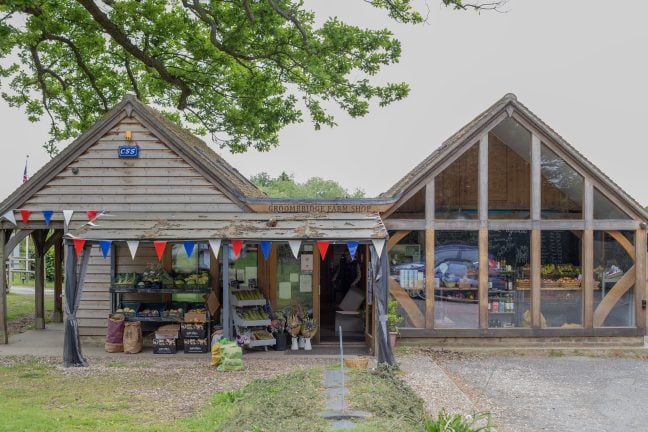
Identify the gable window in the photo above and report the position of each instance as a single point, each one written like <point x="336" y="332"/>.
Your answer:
<point x="456" y="188"/>
<point x="561" y="187"/>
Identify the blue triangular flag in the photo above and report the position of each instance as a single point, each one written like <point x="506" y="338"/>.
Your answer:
<point x="47" y="214"/>
<point x="189" y="247"/>
<point x="353" y="247"/>
<point x="105" y="247"/>
<point x="265" y="248"/>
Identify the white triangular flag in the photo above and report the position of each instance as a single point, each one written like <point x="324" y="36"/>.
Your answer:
<point x="215" y="247"/>
<point x="132" y="246"/>
<point x="294" y="247"/>
<point x="10" y="217"/>
<point x="378" y="245"/>
<point x="67" y="215"/>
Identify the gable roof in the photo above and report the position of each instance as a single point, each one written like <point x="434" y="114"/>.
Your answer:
<point x="190" y="147"/>
<point x="507" y="104"/>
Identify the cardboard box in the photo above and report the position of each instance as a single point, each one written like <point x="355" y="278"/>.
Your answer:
<point x="350" y="321"/>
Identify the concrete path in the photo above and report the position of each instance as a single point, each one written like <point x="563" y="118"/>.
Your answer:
<point x="336" y="383"/>
<point x="27" y="290"/>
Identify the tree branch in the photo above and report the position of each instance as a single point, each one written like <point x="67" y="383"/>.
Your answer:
<point x="122" y="39"/>
<point x="132" y="79"/>
<point x="289" y="16"/>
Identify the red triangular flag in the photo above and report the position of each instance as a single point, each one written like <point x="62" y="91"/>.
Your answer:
<point x="323" y="247"/>
<point x="159" y="248"/>
<point x="92" y="215"/>
<point x="25" y="215"/>
<point x="78" y="246"/>
<point x="236" y="247"/>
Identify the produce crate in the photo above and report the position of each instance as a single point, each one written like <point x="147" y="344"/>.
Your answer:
<point x="195" y="346"/>
<point x="193" y="316"/>
<point x="174" y="306"/>
<point x="131" y="305"/>
<point x="152" y="308"/>
<point x="242" y="303"/>
<point x="239" y="321"/>
<point x="165" y="346"/>
<point x="193" y="330"/>
<point x="263" y="342"/>
<point x="135" y="278"/>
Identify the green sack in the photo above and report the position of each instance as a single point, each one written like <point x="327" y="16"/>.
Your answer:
<point x="231" y="352"/>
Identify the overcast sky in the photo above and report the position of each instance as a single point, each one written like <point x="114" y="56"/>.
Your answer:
<point x="580" y="65"/>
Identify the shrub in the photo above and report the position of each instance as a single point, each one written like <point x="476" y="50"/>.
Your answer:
<point x="478" y="422"/>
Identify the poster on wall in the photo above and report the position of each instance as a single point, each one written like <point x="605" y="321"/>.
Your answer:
<point x="294" y="277"/>
<point x="307" y="263"/>
<point x="285" y="290"/>
<point x="305" y="283"/>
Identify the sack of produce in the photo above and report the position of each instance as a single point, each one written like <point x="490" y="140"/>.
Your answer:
<point x="115" y="334"/>
<point x="133" y="337"/>
<point x="231" y="357"/>
<point x="215" y="355"/>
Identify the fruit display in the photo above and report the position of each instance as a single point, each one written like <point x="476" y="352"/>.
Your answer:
<point x="196" y="315"/>
<point x="126" y="280"/>
<point x="194" y="280"/>
<point x="261" y="335"/>
<point x="148" y="312"/>
<point x="569" y="282"/>
<point x="171" y="312"/>
<point x="252" y="314"/>
<point x="155" y="278"/>
<point x="248" y="295"/>
<point x="126" y="311"/>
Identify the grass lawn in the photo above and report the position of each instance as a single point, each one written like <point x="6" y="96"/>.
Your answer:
<point x="20" y="311"/>
<point x="29" y="282"/>
<point x="121" y="396"/>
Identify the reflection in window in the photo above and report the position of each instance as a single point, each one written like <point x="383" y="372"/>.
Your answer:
<point x="243" y="269"/>
<point x="509" y="171"/>
<point x="289" y="294"/>
<point x="509" y="293"/>
<point x="562" y="188"/>
<point x="456" y="279"/>
<point x="197" y="262"/>
<point x="611" y="262"/>
<point x="407" y="269"/>
<point x="561" y="291"/>
<point x="606" y="209"/>
<point x="456" y="188"/>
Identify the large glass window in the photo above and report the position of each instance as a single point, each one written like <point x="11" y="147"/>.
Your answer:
<point x="294" y="284"/>
<point x="509" y="171"/>
<point x="561" y="291"/>
<point x="509" y="294"/>
<point x="456" y="279"/>
<point x="613" y="290"/>
<point x="562" y="188"/>
<point x="606" y="209"/>
<point x="243" y="269"/>
<point x="456" y="188"/>
<point x="407" y="268"/>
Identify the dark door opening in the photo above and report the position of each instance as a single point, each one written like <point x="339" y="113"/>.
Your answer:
<point x="342" y="294"/>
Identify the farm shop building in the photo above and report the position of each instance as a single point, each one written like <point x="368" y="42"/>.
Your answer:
<point x="505" y="230"/>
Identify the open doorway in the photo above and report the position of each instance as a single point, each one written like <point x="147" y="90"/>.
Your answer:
<point x="343" y="287"/>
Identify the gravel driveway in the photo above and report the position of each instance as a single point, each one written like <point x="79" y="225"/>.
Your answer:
<point x="533" y="393"/>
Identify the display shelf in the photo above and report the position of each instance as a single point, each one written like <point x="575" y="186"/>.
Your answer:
<point x="456" y="289"/>
<point x="246" y="303"/>
<point x="159" y="290"/>
<point x="501" y="313"/>
<point x="250" y="323"/>
<point x="263" y="342"/>
<point x="456" y="299"/>
<point x="154" y="319"/>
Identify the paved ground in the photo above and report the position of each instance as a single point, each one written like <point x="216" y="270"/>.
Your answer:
<point x="16" y="289"/>
<point x="537" y="393"/>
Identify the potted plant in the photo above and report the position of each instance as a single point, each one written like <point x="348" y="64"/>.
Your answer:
<point x="393" y="319"/>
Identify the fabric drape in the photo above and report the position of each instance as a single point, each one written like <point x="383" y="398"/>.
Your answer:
<point x="75" y="273"/>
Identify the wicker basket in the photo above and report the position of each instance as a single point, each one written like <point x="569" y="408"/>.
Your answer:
<point x="356" y="362"/>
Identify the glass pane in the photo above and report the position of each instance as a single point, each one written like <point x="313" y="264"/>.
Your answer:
<point x="606" y="209"/>
<point x="561" y="293"/>
<point x="289" y="294"/>
<point x="198" y="261"/>
<point x="243" y="269"/>
<point x="456" y="188"/>
<point x="561" y="188"/>
<point x="611" y="262"/>
<point x="509" y="289"/>
<point x="456" y="279"/>
<point x="509" y="171"/>
<point x="407" y="270"/>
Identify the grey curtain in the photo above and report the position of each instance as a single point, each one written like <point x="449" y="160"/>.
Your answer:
<point x="74" y="280"/>
<point x="379" y="267"/>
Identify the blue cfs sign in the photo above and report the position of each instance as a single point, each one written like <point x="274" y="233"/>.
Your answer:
<point x="129" y="152"/>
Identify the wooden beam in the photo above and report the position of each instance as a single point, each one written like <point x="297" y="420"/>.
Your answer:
<point x="483" y="278"/>
<point x="227" y="325"/>
<point x="405" y="224"/>
<point x="429" y="278"/>
<point x="624" y="242"/>
<point x="430" y="203"/>
<point x="409" y="306"/>
<point x="4" y="329"/>
<point x="614" y="295"/>
<point x="14" y="241"/>
<point x="535" y="277"/>
<point x="536" y="177"/>
<point x="642" y="274"/>
<point x="57" y="315"/>
<point x="395" y="238"/>
<point x="588" y="277"/>
<point x="39" y="237"/>
<point x="483" y="177"/>
<point x="315" y="288"/>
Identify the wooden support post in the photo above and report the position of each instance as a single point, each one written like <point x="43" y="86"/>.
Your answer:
<point x="315" y="289"/>
<point x="429" y="255"/>
<point x="39" y="284"/>
<point x="4" y="329"/>
<point x="483" y="277"/>
<point x="536" y="280"/>
<point x="641" y="275"/>
<point x="536" y="181"/>
<point x="57" y="315"/>
<point x="227" y="325"/>
<point x="483" y="178"/>
<point x="588" y="278"/>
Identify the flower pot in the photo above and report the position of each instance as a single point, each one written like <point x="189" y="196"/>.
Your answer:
<point x="294" y="346"/>
<point x="302" y="342"/>
<point x="307" y="344"/>
<point x="392" y="339"/>
<point x="282" y="342"/>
